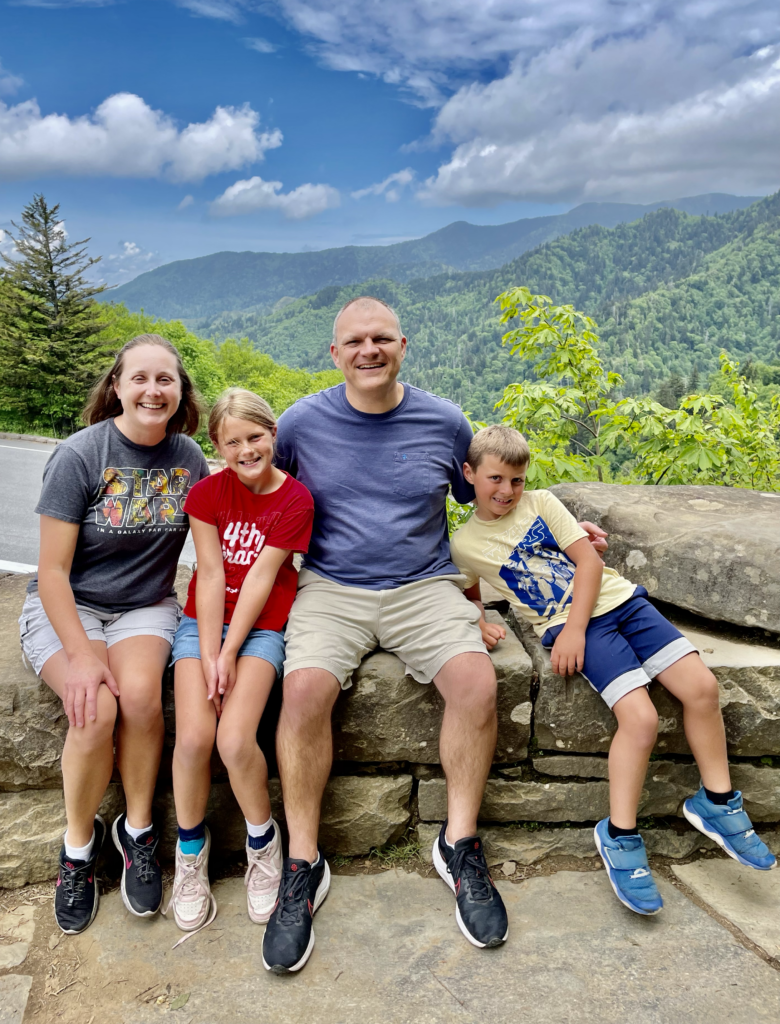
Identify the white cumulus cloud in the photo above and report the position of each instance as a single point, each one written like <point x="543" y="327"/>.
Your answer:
<point x="127" y="138"/>
<point x="390" y="188"/>
<point x="9" y="83"/>
<point x="260" y="45"/>
<point x="254" y="194"/>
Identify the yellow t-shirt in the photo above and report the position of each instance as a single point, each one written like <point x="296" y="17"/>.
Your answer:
<point x="522" y="556"/>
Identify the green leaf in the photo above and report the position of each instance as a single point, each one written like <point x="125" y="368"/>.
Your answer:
<point x="180" y="1001"/>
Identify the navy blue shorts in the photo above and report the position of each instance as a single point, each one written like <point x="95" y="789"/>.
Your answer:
<point x="627" y="647"/>
<point x="267" y="644"/>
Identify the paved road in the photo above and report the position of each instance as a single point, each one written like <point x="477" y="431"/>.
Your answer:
<point x="21" y="469"/>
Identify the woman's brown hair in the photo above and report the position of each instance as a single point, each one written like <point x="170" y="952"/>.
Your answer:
<point x="103" y="402"/>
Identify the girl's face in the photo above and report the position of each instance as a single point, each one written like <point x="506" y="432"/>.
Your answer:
<point x="148" y="387"/>
<point x="248" y="449"/>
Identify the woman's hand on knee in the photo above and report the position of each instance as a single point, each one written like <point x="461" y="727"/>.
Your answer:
<point x="86" y="674"/>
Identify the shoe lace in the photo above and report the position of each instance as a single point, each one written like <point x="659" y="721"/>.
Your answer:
<point x="74" y="882"/>
<point x="471" y="865"/>
<point x="291" y="896"/>
<point x="260" y="872"/>
<point x="145" y="859"/>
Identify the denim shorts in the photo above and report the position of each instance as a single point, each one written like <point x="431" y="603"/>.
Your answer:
<point x="267" y="644"/>
<point x="627" y="647"/>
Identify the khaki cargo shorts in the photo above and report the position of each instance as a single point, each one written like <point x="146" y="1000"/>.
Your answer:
<point x="334" y="627"/>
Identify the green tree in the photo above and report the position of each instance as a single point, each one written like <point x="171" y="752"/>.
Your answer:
<point x="50" y="343"/>
<point x="564" y="411"/>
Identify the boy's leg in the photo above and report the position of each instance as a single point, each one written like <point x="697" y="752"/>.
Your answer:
<point x="237" y="737"/>
<point x="196" y="723"/>
<point x="629" y="755"/>
<point x="692" y="683"/>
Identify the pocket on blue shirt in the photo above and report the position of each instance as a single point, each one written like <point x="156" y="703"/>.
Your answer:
<point x="411" y="473"/>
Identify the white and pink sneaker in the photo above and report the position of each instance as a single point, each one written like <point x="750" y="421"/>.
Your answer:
<point x="262" y="878"/>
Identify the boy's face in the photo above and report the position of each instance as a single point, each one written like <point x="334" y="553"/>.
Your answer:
<point x="499" y="486"/>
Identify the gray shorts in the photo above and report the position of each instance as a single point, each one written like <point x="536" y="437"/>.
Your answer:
<point x="40" y="642"/>
<point x="425" y="623"/>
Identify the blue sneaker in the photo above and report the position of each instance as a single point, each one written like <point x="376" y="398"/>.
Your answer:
<point x="628" y="871"/>
<point x="730" y="827"/>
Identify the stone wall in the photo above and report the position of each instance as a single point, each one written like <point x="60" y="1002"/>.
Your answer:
<point x="548" y="784"/>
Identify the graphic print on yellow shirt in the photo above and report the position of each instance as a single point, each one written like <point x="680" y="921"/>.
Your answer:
<point x="523" y="556"/>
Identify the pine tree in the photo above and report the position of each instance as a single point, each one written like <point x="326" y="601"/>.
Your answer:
<point x="49" y="321"/>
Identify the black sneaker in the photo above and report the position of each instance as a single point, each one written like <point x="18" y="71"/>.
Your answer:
<point x="289" y="936"/>
<point x="480" y="911"/>
<point x="142" y="888"/>
<point x="76" y="897"/>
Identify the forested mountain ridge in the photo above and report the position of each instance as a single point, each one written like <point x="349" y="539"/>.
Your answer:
<point x="669" y="292"/>
<point x="256" y="281"/>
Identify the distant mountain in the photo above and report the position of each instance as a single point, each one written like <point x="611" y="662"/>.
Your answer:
<point x="669" y="292"/>
<point x="198" y="289"/>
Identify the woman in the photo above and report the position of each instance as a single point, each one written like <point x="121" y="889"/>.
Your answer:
<point x="100" y="616"/>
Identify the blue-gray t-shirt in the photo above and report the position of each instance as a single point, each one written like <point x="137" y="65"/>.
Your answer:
<point x="379" y="482"/>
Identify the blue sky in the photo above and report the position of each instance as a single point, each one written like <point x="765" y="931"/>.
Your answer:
<point x="174" y="128"/>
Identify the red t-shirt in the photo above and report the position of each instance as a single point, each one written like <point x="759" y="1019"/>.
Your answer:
<point x="246" y="523"/>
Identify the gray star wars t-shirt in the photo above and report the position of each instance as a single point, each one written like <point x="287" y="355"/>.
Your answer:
<point x="128" y="499"/>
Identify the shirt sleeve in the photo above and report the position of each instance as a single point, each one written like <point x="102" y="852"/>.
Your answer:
<point x="200" y="502"/>
<point x="293" y="530"/>
<point x="66" y="492"/>
<point x="562" y="523"/>
<point x="462" y="490"/>
<point x="286" y="456"/>
<point x="459" y="558"/>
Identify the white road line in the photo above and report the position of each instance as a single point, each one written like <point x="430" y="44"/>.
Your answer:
<point x="18" y="448"/>
<point x="17" y="567"/>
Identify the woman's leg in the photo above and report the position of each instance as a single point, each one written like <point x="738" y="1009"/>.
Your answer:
<point x="629" y="755"/>
<point x="692" y="683"/>
<point x="196" y="723"/>
<point x="137" y="664"/>
<point x="88" y="754"/>
<point x="237" y="737"/>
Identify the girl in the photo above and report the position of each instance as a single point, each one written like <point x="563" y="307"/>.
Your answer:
<point x="100" y="614"/>
<point x="229" y="649"/>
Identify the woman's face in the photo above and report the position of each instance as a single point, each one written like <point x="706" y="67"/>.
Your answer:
<point x="149" y="387"/>
<point x="248" y="448"/>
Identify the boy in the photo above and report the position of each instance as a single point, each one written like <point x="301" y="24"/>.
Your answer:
<point x="530" y="549"/>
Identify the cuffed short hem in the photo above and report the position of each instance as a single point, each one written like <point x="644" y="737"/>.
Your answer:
<point x="624" y="684"/>
<point x="265" y="644"/>
<point x="434" y="667"/>
<point x="667" y="656"/>
<point x="117" y="637"/>
<point x="342" y="674"/>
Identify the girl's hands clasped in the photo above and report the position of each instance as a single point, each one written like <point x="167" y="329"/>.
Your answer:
<point x="226" y="669"/>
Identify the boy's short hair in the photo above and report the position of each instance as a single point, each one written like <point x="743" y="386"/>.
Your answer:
<point x="506" y="444"/>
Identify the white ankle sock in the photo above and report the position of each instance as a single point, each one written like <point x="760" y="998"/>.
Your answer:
<point x="258" y="830"/>
<point x="79" y="852"/>
<point x="136" y="833"/>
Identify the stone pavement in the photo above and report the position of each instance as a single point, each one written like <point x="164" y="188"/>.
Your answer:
<point x="389" y="952"/>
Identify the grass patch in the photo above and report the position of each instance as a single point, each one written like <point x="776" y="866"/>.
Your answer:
<point x="405" y="851"/>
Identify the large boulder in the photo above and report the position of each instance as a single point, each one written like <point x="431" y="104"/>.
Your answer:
<point x="387" y="716"/>
<point x="570" y="716"/>
<point x="32" y="719"/>
<point x="712" y="550"/>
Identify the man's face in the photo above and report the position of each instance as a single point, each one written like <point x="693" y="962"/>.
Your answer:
<point x="369" y="348"/>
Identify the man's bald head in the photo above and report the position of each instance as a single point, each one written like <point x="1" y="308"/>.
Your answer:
<point x="366" y="302"/>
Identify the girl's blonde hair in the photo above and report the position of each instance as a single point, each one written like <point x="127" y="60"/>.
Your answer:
<point x="244" y="405"/>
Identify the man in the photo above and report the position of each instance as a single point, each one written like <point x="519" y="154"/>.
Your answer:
<point x="379" y="458"/>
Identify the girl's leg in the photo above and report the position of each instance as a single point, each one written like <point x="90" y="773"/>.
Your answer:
<point x="196" y="723"/>
<point x="138" y="664"/>
<point x="629" y="755"/>
<point x="692" y="683"/>
<point x="88" y="754"/>
<point x="237" y="737"/>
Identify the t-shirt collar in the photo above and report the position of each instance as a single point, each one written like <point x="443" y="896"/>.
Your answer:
<point x="375" y="417"/>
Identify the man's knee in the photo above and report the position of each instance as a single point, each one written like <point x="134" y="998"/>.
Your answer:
<point x="308" y="694"/>
<point x="468" y="683"/>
